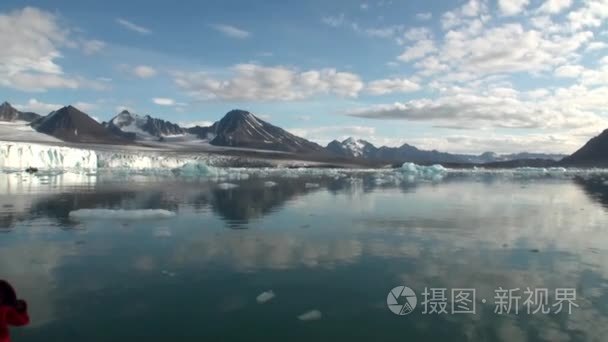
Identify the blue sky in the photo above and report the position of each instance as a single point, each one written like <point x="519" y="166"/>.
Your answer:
<point x="458" y="76"/>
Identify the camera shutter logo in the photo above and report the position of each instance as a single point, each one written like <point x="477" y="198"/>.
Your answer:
<point x="401" y="300"/>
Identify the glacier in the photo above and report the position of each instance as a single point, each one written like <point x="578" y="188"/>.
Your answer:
<point x="20" y="156"/>
<point x="52" y="159"/>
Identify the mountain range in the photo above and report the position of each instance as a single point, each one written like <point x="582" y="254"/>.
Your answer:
<point x="242" y="129"/>
<point x="366" y="150"/>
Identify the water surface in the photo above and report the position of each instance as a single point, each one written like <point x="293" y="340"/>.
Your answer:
<point x="338" y="248"/>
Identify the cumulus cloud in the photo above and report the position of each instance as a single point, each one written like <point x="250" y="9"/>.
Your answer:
<point x="163" y="101"/>
<point x="36" y="106"/>
<point x="418" y="50"/>
<point x="144" y="71"/>
<point x="566" y="108"/>
<point x="394" y="85"/>
<point x="252" y="82"/>
<point x="554" y="6"/>
<point x="133" y="27"/>
<point x="512" y="7"/>
<point x="31" y="40"/>
<point x="325" y="134"/>
<point x="231" y="31"/>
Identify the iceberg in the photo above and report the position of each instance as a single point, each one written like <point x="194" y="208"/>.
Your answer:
<point x="120" y="214"/>
<point x="413" y="171"/>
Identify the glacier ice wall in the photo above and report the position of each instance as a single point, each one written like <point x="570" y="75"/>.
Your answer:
<point x="20" y="156"/>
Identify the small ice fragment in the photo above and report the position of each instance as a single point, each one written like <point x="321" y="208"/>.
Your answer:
<point x="167" y="273"/>
<point x="270" y="184"/>
<point x="227" y="186"/>
<point x="311" y="185"/>
<point x="265" y="296"/>
<point x="163" y="232"/>
<point x="312" y="315"/>
<point x="122" y="214"/>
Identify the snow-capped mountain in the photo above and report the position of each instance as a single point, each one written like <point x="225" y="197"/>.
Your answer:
<point x="134" y="126"/>
<point x="70" y="124"/>
<point x="9" y="113"/>
<point x="364" y="150"/>
<point x="239" y="128"/>
<point x="352" y="148"/>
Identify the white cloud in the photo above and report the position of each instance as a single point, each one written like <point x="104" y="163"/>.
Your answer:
<point x="231" y="31"/>
<point x="591" y="14"/>
<point x="569" y="71"/>
<point x="163" y="101"/>
<point x="325" y="134"/>
<point x="418" y="33"/>
<point x="424" y="16"/>
<point x="364" y="6"/>
<point x="554" y="6"/>
<point x="595" y="46"/>
<point x="31" y="40"/>
<point x="566" y="108"/>
<point x="90" y="47"/>
<point x="512" y="7"/>
<point x="388" y="86"/>
<point x="34" y="105"/>
<point x="418" y="50"/>
<point x="253" y="82"/>
<point x="202" y="123"/>
<point x="334" y="21"/>
<point x="133" y="27"/>
<point x="144" y="71"/>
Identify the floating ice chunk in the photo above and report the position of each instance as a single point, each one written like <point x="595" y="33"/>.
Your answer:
<point x="120" y="214"/>
<point x="194" y="169"/>
<point x="168" y="274"/>
<point x="162" y="232"/>
<point x="265" y="296"/>
<point x="227" y="186"/>
<point x="311" y="185"/>
<point x="270" y="184"/>
<point x="312" y="315"/>
<point x="412" y="171"/>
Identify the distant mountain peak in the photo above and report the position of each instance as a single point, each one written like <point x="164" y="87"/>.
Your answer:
<point x="10" y="113"/>
<point x="241" y="128"/>
<point x="134" y="126"/>
<point x="70" y="124"/>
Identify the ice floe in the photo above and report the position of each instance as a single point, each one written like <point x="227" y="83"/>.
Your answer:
<point x="227" y="186"/>
<point x="122" y="214"/>
<point x="311" y="315"/>
<point x="265" y="296"/>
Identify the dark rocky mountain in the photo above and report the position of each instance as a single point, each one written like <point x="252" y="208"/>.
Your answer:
<point x="9" y="113"/>
<point x="593" y="153"/>
<point x="134" y="126"/>
<point x="365" y="150"/>
<point x="207" y="133"/>
<point x="239" y="128"/>
<point x="70" y="124"/>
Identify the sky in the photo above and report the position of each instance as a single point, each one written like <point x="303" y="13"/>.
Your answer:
<point x="458" y="76"/>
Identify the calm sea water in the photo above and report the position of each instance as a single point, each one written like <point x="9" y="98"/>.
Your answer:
<point x="338" y="248"/>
